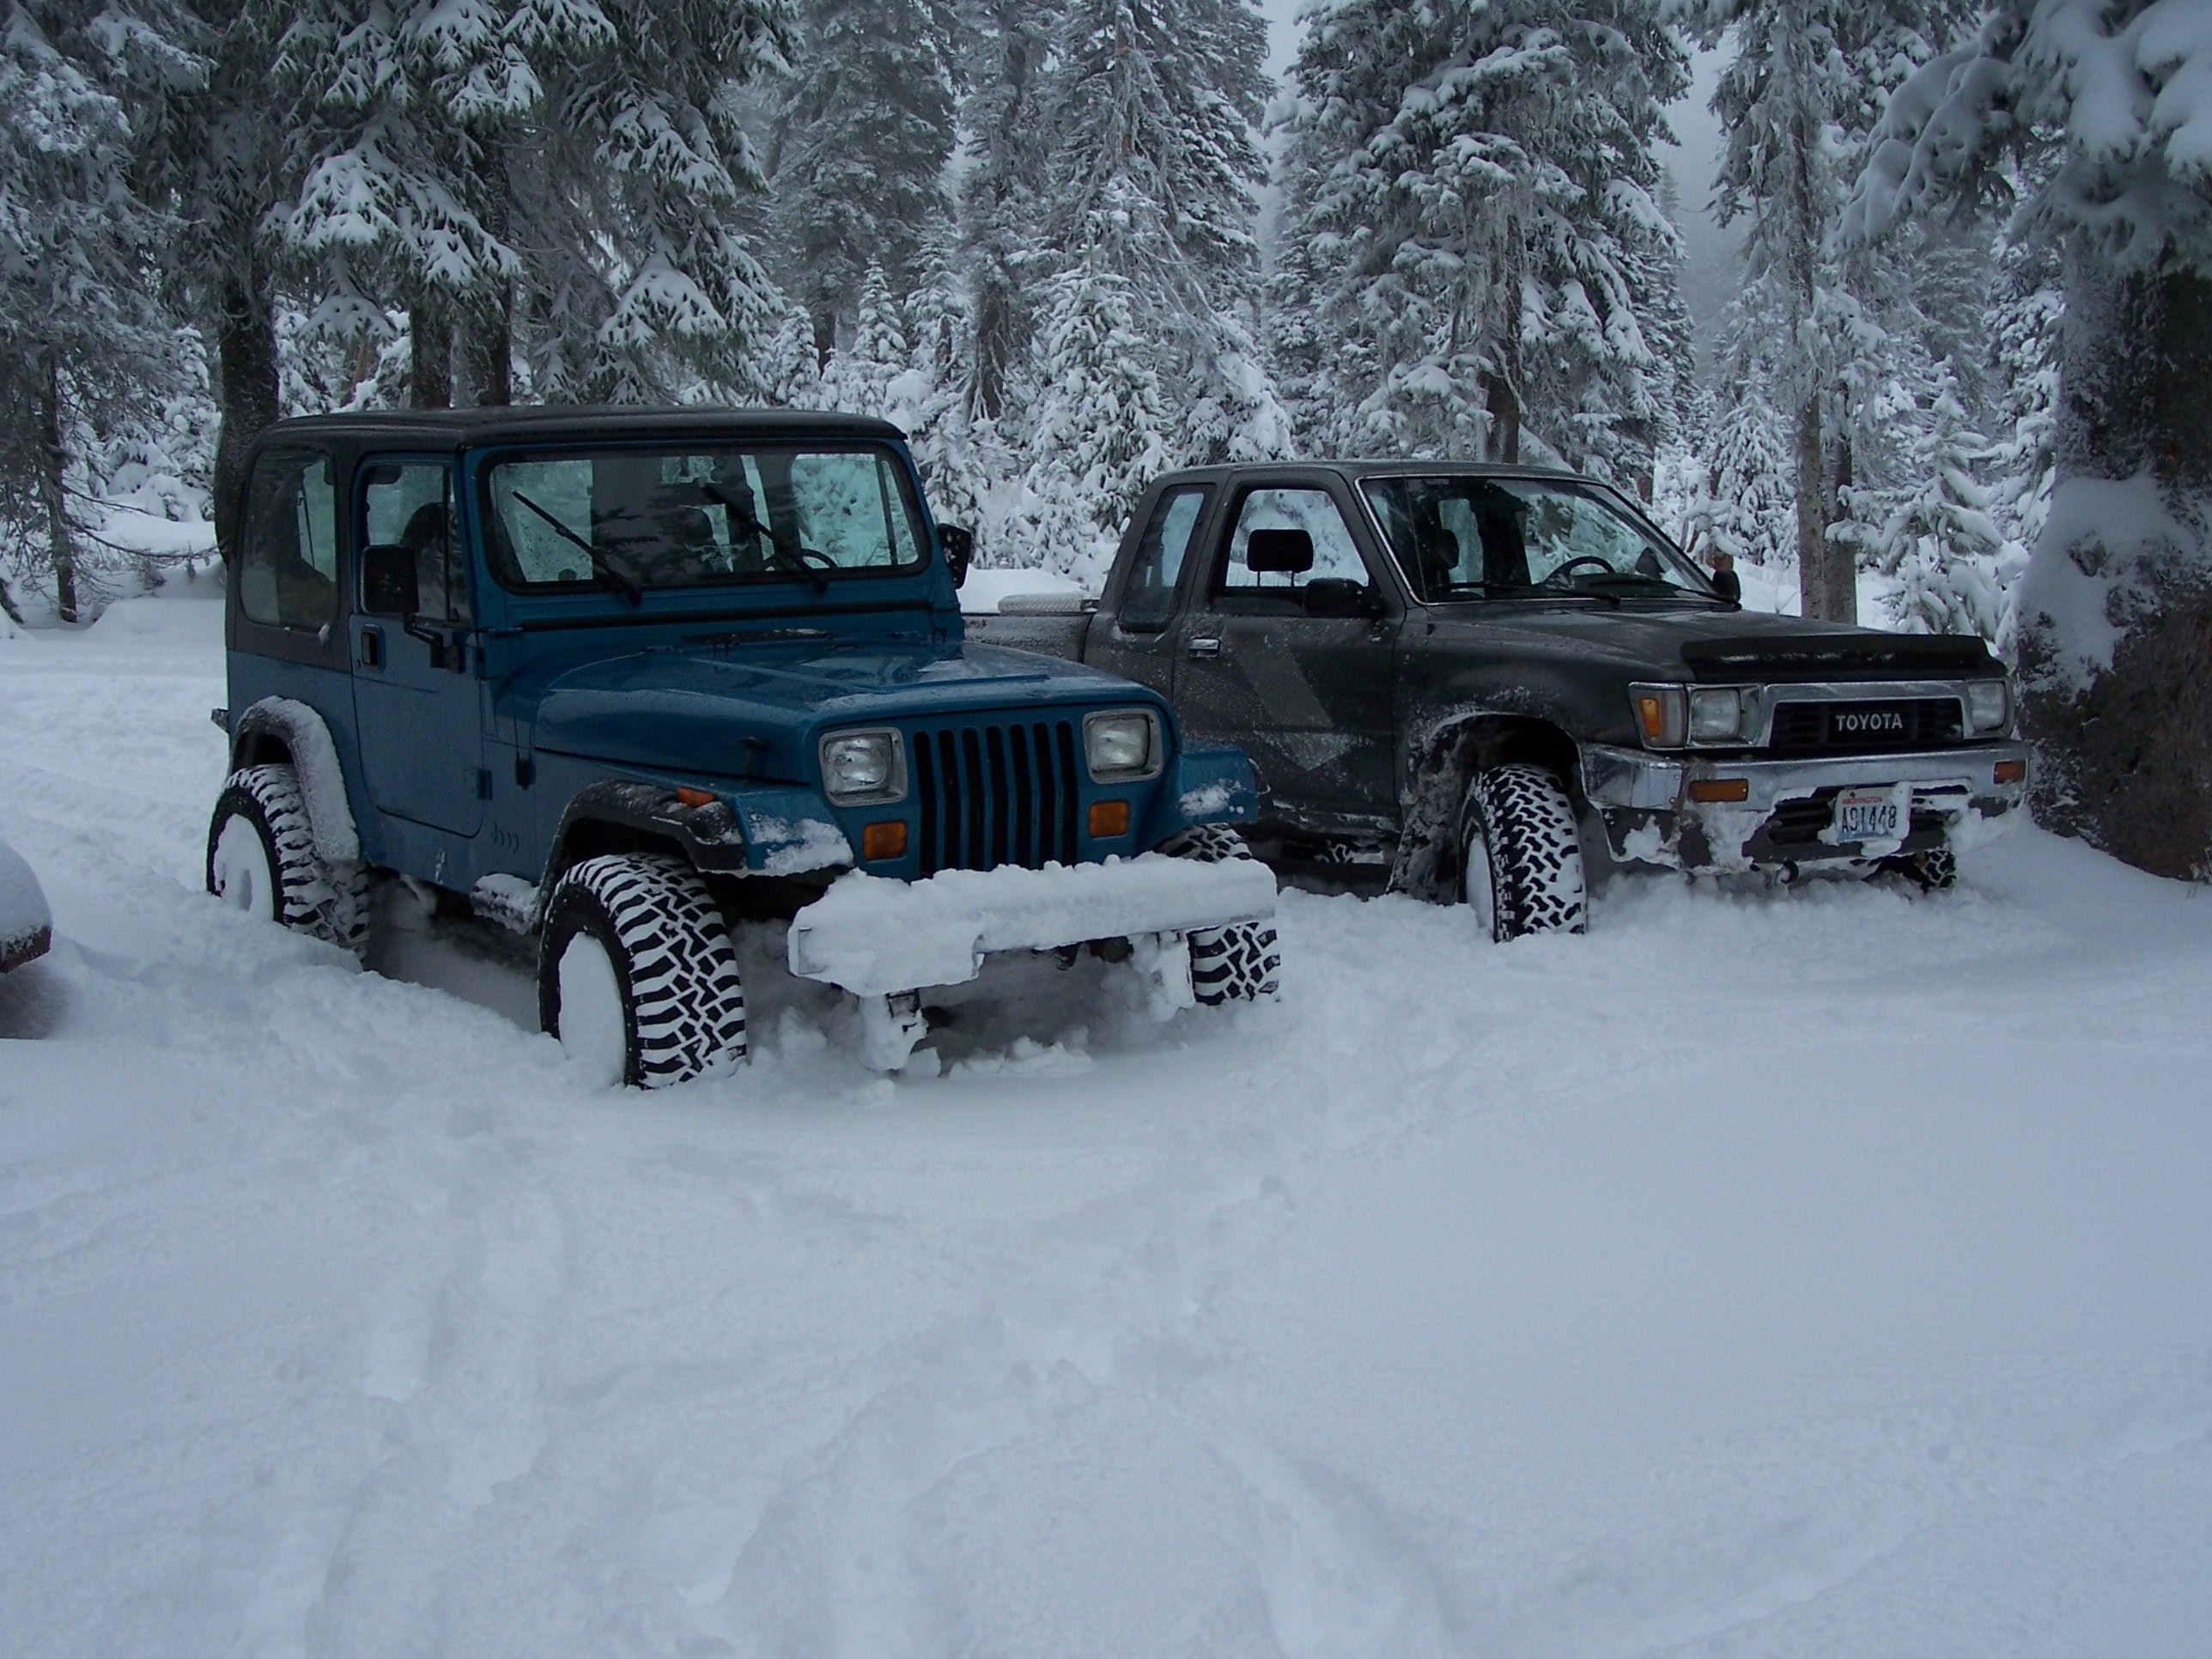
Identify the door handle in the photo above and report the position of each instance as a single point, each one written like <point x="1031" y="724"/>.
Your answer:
<point x="372" y="647"/>
<point x="1207" y="648"/>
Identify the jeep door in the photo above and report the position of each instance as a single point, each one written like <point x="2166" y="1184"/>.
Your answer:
<point x="1295" y="665"/>
<point x="417" y="705"/>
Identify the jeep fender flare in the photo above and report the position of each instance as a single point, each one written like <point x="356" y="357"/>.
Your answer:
<point x="748" y="831"/>
<point x="1441" y="761"/>
<point x="280" y="729"/>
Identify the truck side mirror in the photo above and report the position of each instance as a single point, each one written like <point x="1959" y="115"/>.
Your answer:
<point x="1278" y="553"/>
<point x="1337" y="596"/>
<point x="1729" y="586"/>
<point x="391" y="584"/>
<point x="959" y="547"/>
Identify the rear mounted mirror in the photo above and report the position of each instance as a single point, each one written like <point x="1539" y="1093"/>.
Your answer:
<point x="390" y="582"/>
<point x="959" y="547"/>
<point x="1278" y="553"/>
<point x="1336" y="596"/>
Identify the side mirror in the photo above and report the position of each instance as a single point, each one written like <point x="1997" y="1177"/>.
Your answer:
<point x="1336" y="596"/>
<point x="959" y="547"/>
<point x="1729" y="586"/>
<point x="1278" y="553"/>
<point x="391" y="584"/>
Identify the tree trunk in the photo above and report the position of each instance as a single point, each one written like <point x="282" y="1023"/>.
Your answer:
<point x="247" y="354"/>
<point x="430" y="380"/>
<point x="53" y="490"/>
<point x="1504" y="409"/>
<point x="1813" y="598"/>
<point x="489" y="347"/>
<point x="2124" y="753"/>
<point x="1841" y="559"/>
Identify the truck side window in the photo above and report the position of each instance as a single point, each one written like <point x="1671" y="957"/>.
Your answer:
<point x="1148" y="602"/>
<point x="410" y="504"/>
<point x="1336" y="556"/>
<point x="287" y="570"/>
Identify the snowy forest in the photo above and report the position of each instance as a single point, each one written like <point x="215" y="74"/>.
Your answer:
<point x="1068" y="244"/>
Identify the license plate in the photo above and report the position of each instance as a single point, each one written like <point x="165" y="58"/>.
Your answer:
<point x="1869" y="815"/>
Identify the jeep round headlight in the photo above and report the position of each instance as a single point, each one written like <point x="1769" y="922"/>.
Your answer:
<point x="863" y="767"/>
<point x="1989" y="705"/>
<point x="1119" y="746"/>
<point x="1715" y="714"/>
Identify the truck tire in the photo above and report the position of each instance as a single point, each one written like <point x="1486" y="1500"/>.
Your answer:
<point x="1240" y="963"/>
<point x="1522" y="854"/>
<point x="653" y="992"/>
<point x="261" y="858"/>
<point x="1935" y="870"/>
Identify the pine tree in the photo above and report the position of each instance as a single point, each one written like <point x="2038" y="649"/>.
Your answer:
<point x="790" y="372"/>
<point x="87" y="344"/>
<point x="1103" y="430"/>
<point x="1940" y="542"/>
<point x="858" y="379"/>
<point x="860" y="152"/>
<point x="1473" y="183"/>
<point x="1150" y="118"/>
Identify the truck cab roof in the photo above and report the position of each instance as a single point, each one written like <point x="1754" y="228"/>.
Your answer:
<point x="470" y="428"/>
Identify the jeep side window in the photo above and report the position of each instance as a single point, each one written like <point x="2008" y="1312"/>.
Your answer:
<point x="1336" y="556"/>
<point x="1148" y="602"/>
<point x="287" y="566"/>
<point x="410" y="504"/>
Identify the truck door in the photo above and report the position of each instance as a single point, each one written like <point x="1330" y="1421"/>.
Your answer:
<point x="1134" y="635"/>
<point x="1295" y="664"/>
<point x="416" y="699"/>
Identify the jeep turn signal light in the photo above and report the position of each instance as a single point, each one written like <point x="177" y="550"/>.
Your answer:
<point x="2012" y="771"/>
<point x="884" y="840"/>
<point x="691" y="797"/>
<point x="1109" y="818"/>
<point x="1712" y="791"/>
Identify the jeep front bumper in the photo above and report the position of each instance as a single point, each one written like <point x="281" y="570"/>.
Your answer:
<point x="877" y="937"/>
<point x="1645" y="802"/>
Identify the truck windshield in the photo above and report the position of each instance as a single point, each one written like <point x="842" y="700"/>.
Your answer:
<point x="698" y="516"/>
<point x="1471" y="538"/>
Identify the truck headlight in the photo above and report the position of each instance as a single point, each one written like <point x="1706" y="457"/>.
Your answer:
<point x="861" y="767"/>
<point x="1119" y="745"/>
<point x="1989" y="704"/>
<point x="1662" y="716"/>
<point x="1715" y="714"/>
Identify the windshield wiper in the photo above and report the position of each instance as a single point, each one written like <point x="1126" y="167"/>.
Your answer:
<point x="633" y="590"/>
<point x="777" y="555"/>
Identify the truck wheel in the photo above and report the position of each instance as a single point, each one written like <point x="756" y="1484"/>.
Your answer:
<point x="1236" y="964"/>
<point x="1522" y="854"/>
<point x="635" y="973"/>
<point x="261" y="858"/>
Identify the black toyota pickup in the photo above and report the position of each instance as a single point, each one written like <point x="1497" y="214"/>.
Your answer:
<point x="1465" y="676"/>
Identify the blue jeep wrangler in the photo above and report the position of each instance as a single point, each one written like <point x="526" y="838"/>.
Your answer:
<point x="619" y="678"/>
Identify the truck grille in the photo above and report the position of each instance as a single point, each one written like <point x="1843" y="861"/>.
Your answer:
<point x="990" y="795"/>
<point x="1865" y="728"/>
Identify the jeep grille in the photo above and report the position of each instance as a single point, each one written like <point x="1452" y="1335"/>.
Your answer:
<point x="990" y="795"/>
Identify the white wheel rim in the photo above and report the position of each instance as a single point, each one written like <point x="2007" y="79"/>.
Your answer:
<point x="1480" y="898"/>
<point x="592" y="1028"/>
<point x="243" y="879"/>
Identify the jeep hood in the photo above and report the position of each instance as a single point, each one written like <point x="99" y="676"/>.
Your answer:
<point x="746" y="709"/>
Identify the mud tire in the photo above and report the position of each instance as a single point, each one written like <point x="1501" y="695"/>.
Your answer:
<point x="1240" y="963"/>
<point x="682" y="999"/>
<point x="1522" y="854"/>
<point x="309" y="896"/>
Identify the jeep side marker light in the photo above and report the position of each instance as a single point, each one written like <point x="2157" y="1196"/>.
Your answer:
<point x="1720" y="789"/>
<point x="884" y="840"/>
<point x="1109" y="818"/>
<point x="691" y="797"/>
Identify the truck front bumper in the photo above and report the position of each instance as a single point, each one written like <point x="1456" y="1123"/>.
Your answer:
<point x="880" y="938"/>
<point x="1785" y="818"/>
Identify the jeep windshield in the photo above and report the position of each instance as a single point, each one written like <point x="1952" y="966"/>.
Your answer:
<point x="698" y="516"/>
<point x="1460" y="537"/>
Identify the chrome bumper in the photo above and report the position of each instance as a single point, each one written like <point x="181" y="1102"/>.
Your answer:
<point x="1644" y="801"/>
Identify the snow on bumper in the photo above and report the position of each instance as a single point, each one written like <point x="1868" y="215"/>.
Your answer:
<point x="1650" y="817"/>
<point x="878" y="937"/>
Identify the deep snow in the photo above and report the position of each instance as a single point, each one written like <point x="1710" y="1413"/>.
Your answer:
<point x="1823" y="1273"/>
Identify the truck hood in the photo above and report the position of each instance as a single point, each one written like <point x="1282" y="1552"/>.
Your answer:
<point x="751" y="710"/>
<point x="1687" y="641"/>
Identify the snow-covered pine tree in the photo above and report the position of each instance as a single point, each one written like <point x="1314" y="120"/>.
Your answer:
<point x="790" y="371"/>
<point x="956" y="449"/>
<point x="2110" y="102"/>
<point x="2025" y="331"/>
<point x="1101" y="427"/>
<point x="858" y="377"/>
<point x="1802" y="91"/>
<point x="1150" y="118"/>
<point x="1748" y="506"/>
<point x="1940" y="542"/>
<point x="1473" y="182"/>
<point x="87" y="344"/>
<point x="859" y="153"/>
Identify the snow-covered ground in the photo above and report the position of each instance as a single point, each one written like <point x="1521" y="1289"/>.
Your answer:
<point x="1827" y="1272"/>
